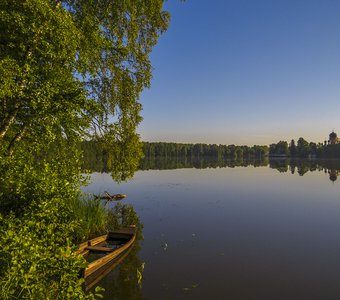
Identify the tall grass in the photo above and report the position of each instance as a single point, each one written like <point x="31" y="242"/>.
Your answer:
<point x="92" y="215"/>
<point x="97" y="219"/>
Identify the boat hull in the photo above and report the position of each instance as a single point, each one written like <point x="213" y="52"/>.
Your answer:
<point x="111" y="257"/>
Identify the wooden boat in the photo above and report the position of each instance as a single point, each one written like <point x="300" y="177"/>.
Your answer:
<point x="106" y="249"/>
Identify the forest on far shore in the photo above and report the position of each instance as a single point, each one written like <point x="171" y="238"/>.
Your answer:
<point x="97" y="155"/>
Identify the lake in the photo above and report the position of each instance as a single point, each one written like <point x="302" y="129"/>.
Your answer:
<point x="246" y="232"/>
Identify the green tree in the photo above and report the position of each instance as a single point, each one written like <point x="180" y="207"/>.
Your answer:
<point x="292" y="148"/>
<point x="73" y="67"/>
<point x="302" y="148"/>
<point x="281" y="148"/>
<point x="313" y="147"/>
<point x="69" y="70"/>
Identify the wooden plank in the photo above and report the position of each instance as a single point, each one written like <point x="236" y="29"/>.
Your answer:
<point x="99" y="249"/>
<point x="97" y="240"/>
<point x="92" y="242"/>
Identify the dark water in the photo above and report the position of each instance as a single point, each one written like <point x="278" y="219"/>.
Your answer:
<point x="231" y="233"/>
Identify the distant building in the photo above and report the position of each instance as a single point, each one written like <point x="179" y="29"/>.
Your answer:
<point x="333" y="138"/>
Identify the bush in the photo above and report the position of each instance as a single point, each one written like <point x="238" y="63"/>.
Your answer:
<point x="38" y="225"/>
<point x="37" y="255"/>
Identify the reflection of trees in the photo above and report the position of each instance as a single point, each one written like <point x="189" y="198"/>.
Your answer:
<point x="302" y="169"/>
<point x="295" y="165"/>
<point x="198" y="163"/>
<point x="292" y="166"/>
<point x="301" y="166"/>
<point x="279" y="164"/>
<point x="333" y="174"/>
<point x="283" y="165"/>
<point x="331" y="167"/>
<point x="124" y="281"/>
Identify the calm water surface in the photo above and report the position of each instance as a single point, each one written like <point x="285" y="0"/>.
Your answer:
<point x="231" y="233"/>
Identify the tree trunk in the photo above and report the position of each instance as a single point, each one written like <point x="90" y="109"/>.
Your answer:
<point x="16" y="139"/>
<point x="6" y="124"/>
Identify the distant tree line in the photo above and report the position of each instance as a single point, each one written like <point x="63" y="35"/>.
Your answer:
<point x="232" y="152"/>
<point x="175" y="155"/>
<point x="304" y="149"/>
<point x="99" y="158"/>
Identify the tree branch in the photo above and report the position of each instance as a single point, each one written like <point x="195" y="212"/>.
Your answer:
<point x="7" y="122"/>
<point x="18" y="137"/>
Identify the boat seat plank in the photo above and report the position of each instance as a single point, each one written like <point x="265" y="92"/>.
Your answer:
<point x="99" y="249"/>
<point x="95" y="241"/>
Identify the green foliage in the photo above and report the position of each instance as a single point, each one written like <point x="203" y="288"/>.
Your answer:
<point x="32" y="175"/>
<point x="69" y="69"/>
<point x="302" y="148"/>
<point x="121" y="161"/>
<point x="75" y="68"/>
<point x="292" y="148"/>
<point x="329" y="151"/>
<point x="91" y="214"/>
<point x="40" y="95"/>
<point x="42" y="207"/>
<point x="173" y="150"/>
<point x="37" y="255"/>
<point x="95" y="217"/>
<point x="140" y="275"/>
<point x="38" y="225"/>
<point x="279" y="149"/>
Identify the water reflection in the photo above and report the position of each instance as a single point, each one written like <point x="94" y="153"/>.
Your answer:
<point x="123" y="280"/>
<point x="331" y="167"/>
<point x="201" y="163"/>
<point x="299" y="166"/>
<point x="283" y="165"/>
<point x="333" y="174"/>
<point x="237" y="232"/>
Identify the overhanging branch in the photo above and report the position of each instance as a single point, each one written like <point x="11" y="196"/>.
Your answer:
<point x="16" y="139"/>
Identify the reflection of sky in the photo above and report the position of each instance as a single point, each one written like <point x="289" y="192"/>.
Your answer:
<point x="245" y="72"/>
<point x="236" y="232"/>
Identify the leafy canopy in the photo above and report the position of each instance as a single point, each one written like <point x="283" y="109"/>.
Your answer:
<point x="74" y="68"/>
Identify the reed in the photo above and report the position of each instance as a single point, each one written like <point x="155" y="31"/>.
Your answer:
<point x="92" y="215"/>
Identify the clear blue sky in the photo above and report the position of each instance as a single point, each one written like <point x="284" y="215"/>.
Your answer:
<point x="245" y="72"/>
